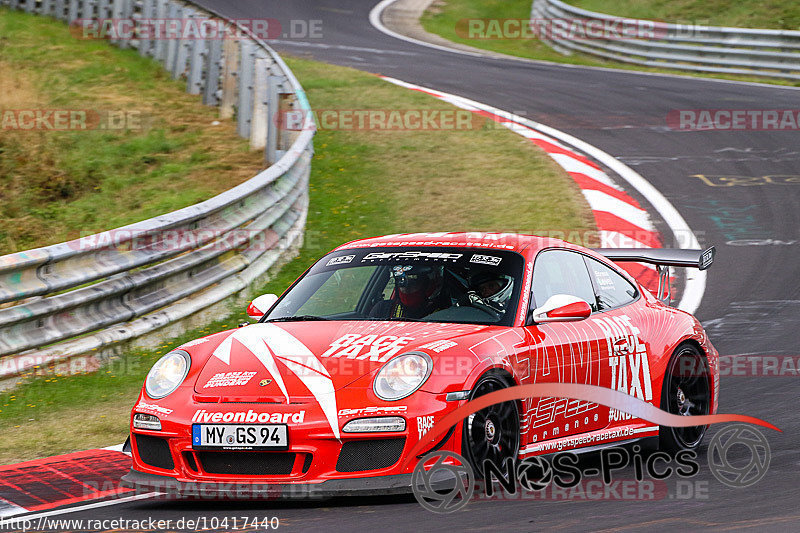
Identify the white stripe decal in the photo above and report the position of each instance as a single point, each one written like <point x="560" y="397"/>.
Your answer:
<point x="268" y="341"/>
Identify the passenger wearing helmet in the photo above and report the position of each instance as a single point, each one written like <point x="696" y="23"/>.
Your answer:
<point x="417" y="292"/>
<point x="492" y="290"/>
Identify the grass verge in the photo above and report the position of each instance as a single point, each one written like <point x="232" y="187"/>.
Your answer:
<point x="363" y="183"/>
<point x="168" y="151"/>
<point x="443" y="16"/>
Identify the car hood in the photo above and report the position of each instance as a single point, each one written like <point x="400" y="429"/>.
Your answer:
<point x="293" y="361"/>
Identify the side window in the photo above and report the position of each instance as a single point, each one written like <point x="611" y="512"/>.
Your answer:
<point x="612" y="289"/>
<point x="561" y="272"/>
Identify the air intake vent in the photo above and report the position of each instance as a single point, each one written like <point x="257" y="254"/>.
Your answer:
<point x="247" y="463"/>
<point x="154" y="451"/>
<point x="370" y="454"/>
<point x="188" y="457"/>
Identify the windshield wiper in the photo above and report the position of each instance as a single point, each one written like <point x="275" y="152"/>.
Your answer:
<point x="404" y="319"/>
<point x="300" y="318"/>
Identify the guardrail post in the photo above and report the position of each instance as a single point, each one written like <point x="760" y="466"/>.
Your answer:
<point x="182" y="54"/>
<point x="127" y="15"/>
<point x="262" y="104"/>
<point x="60" y="12"/>
<point x="73" y="11"/>
<point x="230" y="72"/>
<point x="275" y="119"/>
<point x="279" y="113"/>
<point x="146" y="20"/>
<point x="244" y="111"/>
<point x="117" y="10"/>
<point x="103" y="9"/>
<point x="46" y="7"/>
<point x="172" y="43"/>
<point x="197" y="63"/>
<point x="212" y="71"/>
<point x="160" y="45"/>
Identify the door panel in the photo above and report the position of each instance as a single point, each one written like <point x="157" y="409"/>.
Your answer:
<point x="564" y="352"/>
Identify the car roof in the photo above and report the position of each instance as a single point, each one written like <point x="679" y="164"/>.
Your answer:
<point x="491" y="241"/>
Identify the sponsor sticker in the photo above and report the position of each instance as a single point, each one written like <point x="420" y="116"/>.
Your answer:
<point x="229" y="379"/>
<point x="424" y="424"/>
<point x="377" y="348"/>
<point x="630" y="365"/>
<point x="412" y="255"/>
<point x="374" y="410"/>
<point x="249" y="416"/>
<point x="341" y="260"/>
<point x="439" y="346"/>
<point x="485" y="259"/>
<point x="604" y="280"/>
<point x="151" y="408"/>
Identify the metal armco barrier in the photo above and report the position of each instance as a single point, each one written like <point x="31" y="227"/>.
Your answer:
<point x="771" y="53"/>
<point x="93" y="293"/>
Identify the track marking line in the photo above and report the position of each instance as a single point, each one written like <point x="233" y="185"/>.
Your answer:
<point x="95" y="505"/>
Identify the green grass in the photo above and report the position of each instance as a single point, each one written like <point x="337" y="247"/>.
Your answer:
<point x="58" y="185"/>
<point x="446" y="19"/>
<point x="363" y="183"/>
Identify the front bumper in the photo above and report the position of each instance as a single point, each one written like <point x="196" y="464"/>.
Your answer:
<point x="314" y="459"/>
<point x="369" y="486"/>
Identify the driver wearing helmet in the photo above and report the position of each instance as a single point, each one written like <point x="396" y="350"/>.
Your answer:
<point x="418" y="292"/>
<point x="491" y="289"/>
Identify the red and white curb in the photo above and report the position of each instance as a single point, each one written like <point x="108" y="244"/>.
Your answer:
<point x="45" y="485"/>
<point x="620" y="219"/>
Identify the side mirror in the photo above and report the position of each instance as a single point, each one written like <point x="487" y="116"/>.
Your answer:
<point x="562" y="308"/>
<point x="261" y="305"/>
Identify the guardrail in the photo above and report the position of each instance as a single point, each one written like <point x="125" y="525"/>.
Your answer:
<point x="757" y="52"/>
<point x="90" y="294"/>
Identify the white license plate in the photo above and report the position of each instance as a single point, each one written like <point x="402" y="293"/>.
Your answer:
<point x="240" y="436"/>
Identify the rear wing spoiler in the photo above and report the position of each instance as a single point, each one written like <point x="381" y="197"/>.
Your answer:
<point x="663" y="258"/>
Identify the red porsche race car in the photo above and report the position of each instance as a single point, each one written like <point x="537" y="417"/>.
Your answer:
<point x="344" y="373"/>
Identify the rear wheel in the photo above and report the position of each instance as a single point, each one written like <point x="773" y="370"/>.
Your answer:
<point x="491" y="433"/>
<point x="685" y="392"/>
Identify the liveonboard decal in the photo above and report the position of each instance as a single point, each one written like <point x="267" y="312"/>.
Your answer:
<point x="269" y="342"/>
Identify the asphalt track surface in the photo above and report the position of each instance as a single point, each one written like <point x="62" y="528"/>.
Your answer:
<point x="752" y="300"/>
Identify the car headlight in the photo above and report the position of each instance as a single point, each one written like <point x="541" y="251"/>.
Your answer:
<point x="167" y="374"/>
<point x="402" y="376"/>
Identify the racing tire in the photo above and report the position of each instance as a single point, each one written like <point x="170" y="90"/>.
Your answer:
<point x="491" y="433"/>
<point x="686" y="391"/>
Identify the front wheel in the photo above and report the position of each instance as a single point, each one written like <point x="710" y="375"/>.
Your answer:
<point x="491" y="433"/>
<point x="685" y="392"/>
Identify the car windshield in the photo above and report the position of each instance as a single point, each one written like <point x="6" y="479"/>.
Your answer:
<point x="426" y="284"/>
